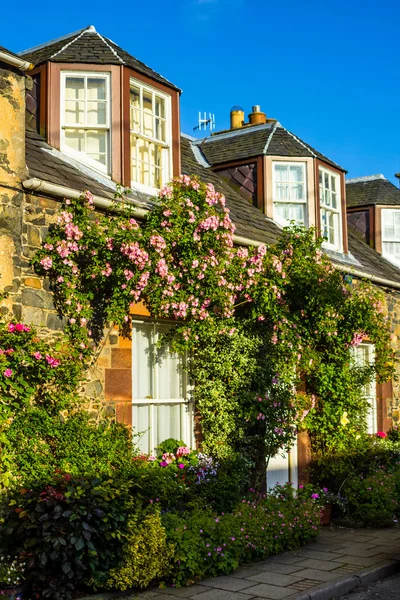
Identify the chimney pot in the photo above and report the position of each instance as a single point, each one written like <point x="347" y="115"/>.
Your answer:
<point x="237" y="117"/>
<point x="257" y="117"/>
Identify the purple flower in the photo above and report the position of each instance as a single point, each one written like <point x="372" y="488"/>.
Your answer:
<point x="315" y="496"/>
<point x="163" y="463"/>
<point x="181" y="466"/>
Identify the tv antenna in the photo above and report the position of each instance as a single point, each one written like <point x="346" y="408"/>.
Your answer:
<point x="205" y="122"/>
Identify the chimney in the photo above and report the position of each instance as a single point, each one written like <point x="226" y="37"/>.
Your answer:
<point x="237" y="117"/>
<point x="256" y="117"/>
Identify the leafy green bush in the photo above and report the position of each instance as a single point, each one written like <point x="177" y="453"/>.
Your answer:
<point x="372" y="499"/>
<point x="36" y="444"/>
<point x="147" y="555"/>
<point x="207" y="544"/>
<point x="71" y="532"/>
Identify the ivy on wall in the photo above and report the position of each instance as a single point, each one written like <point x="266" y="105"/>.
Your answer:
<point x="258" y="322"/>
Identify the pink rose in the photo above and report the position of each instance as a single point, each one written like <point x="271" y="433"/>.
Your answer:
<point x="8" y="373"/>
<point x="181" y="466"/>
<point x="37" y="355"/>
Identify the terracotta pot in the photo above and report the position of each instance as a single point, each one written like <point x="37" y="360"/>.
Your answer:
<point x="11" y="592"/>
<point x="326" y="514"/>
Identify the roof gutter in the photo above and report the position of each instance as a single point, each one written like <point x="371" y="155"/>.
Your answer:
<point x="60" y="191"/>
<point x="14" y="61"/>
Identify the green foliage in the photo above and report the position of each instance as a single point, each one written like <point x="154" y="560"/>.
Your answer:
<point x="256" y="321"/>
<point x="372" y="499"/>
<point x="36" y="444"/>
<point x="147" y="555"/>
<point x="207" y="545"/>
<point x="71" y="531"/>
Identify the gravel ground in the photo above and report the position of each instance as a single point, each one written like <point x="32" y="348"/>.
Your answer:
<point x="387" y="589"/>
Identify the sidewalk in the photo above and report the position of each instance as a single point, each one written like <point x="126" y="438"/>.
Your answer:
<point x="335" y="562"/>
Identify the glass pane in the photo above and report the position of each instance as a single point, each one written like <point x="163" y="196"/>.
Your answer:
<point x="333" y="197"/>
<point x="160" y="107"/>
<point x="281" y="212"/>
<point x="333" y="183"/>
<point x="320" y="177"/>
<point x="147" y="101"/>
<point x="148" y="124"/>
<point x="326" y="180"/>
<point x="96" y="113"/>
<point x="388" y="232"/>
<point x="282" y="191"/>
<point x="141" y="424"/>
<point x="296" y="173"/>
<point x="281" y="172"/>
<point x="168" y="422"/>
<point x="75" y="139"/>
<point x="96" y="145"/>
<point x="160" y="130"/>
<point x="327" y="199"/>
<point x="297" y="212"/>
<point x="96" y="88"/>
<point x="74" y="112"/>
<point x="297" y="191"/>
<point x="74" y="88"/>
<point x="135" y="96"/>
<point x="142" y="361"/>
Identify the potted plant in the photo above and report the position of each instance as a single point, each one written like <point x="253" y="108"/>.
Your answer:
<point x="11" y="577"/>
<point x="327" y="499"/>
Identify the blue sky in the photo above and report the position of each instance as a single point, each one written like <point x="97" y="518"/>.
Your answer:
<point x="329" y="72"/>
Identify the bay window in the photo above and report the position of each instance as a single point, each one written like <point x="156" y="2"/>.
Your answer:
<point x="150" y="127"/>
<point x="289" y="192"/>
<point x="391" y="235"/>
<point x="85" y="117"/>
<point x="330" y="208"/>
<point x="161" y="403"/>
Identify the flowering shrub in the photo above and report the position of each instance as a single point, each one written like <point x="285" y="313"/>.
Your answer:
<point x="256" y="321"/>
<point x="12" y="570"/>
<point x="34" y="372"/>
<point x="372" y="499"/>
<point x="207" y="545"/>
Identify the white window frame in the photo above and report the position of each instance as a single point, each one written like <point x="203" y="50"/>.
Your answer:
<point x="370" y="388"/>
<point x="167" y="145"/>
<point x="338" y="243"/>
<point x="186" y="402"/>
<point x="285" y="222"/>
<point x="392" y="258"/>
<point x="81" y="156"/>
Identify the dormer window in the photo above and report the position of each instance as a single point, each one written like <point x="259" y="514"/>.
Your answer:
<point x="289" y="192"/>
<point x="85" y="117"/>
<point x="330" y="209"/>
<point x="391" y="235"/>
<point x="150" y="125"/>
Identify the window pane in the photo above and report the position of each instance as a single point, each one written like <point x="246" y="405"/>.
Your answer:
<point x="74" y="112"/>
<point x="326" y="181"/>
<point x="147" y="101"/>
<point x="333" y="197"/>
<point x="96" y="145"/>
<point x="296" y="173"/>
<point x="281" y="212"/>
<point x="75" y="139"/>
<point x="147" y="124"/>
<point x="96" y="113"/>
<point x="281" y="172"/>
<point x="320" y="177"/>
<point x="282" y="191"/>
<point x="297" y="191"/>
<point x="297" y="212"/>
<point x="327" y="199"/>
<point x="74" y="88"/>
<point x="333" y="183"/>
<point x="160" y="130"/>
<point x="160" y="107"/>
<point x="96" y="88"/>
<point x="143" y="360"/>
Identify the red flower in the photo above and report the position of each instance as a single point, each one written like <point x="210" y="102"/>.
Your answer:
<point x="381" y="434"/>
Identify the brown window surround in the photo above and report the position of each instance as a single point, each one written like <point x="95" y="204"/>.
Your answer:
<point x="120" y="112"/>
<point x="370" y="211"/>
<point x="320" y="163"/>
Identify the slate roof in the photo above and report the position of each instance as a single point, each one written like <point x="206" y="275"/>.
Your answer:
<point x="270" y="139"/>
<point x="48" y="164"/>
<point x="375" y="189"/>
<point x="89" y="47"/>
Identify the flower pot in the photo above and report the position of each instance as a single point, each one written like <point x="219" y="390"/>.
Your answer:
<point x="11" y="592"/>
<point x="326" y="514"/>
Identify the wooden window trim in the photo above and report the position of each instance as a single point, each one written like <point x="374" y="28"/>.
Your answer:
<point x="319" y="163"/>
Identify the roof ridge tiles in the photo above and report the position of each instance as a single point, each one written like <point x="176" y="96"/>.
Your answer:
<point x="111" y="48"/>
<point x="366" y="178"/>
<point x="300" y="142"/>
<point x="275" y="127"/>
<point x="71" y="42"/>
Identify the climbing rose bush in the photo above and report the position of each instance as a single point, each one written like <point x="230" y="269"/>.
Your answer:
<point x="256" y="322"/>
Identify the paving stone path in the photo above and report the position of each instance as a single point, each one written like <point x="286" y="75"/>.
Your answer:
<point x="338" y="560"/>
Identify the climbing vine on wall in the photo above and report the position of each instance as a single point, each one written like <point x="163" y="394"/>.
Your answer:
<point x="258" y="321"/>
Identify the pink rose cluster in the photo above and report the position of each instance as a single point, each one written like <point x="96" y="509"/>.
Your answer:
<point x="17" y="327"/>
